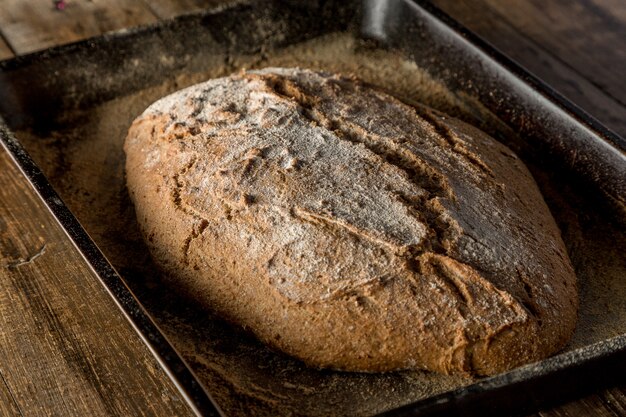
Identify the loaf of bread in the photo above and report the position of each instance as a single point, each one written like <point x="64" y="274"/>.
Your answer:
<point x="349" y="229"/>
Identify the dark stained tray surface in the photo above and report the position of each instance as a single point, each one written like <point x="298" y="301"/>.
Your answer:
<point x="72" y="120"/>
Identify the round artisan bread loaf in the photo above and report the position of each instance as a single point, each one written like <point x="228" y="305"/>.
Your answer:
<point x="349" y="229"/>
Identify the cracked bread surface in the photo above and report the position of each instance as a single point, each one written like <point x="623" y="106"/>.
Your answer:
<point x="349" y="229"/>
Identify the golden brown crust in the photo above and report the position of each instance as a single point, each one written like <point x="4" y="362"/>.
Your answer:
<point x="349" y="229"/>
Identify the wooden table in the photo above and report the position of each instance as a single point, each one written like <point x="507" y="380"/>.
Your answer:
<point x="55" y="363"/>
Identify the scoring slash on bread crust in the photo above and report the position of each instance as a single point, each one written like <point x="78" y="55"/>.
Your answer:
<point x="349" y="229"/>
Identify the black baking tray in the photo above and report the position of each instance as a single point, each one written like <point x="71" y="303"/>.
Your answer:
<point x="37" y="89"/>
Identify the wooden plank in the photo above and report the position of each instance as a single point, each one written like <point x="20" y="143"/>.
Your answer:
<point x="616" y="399"/>
<point x="29" y="26"/>
<point x="166" y="9"/>
<point x="592" y="405"/>
<point x="615" y="8"/>
<point x="586" y="35"/>
<point x="564" y="74"/>
<point x="65" y="347"/>
<point x="8" y="407"/>
<point x="5" y="51"/>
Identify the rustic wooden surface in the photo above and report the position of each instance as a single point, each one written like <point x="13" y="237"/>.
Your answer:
<point x="609" y="403"/>
<point x="579" y="47"/>
<point x="32" y="25"/>
<point x="8" y="406"/>
<point x="64" y="347"/>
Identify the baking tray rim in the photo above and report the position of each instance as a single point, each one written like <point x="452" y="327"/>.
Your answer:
<point x="168" y="358"/>
<point x="175" y="366"/>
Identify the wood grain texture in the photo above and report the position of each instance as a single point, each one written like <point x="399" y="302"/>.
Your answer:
<point x="615" y="8"/>
<point x="65" y="347"/>
<point x="29" y="26"/>
<point x="5" y="51"/>
<point x="8" y="407"/>
<point x="166" y="9"/>
<point x="592" y="405"/>
<point x="579" y="47"/>
<point x="616" y="399"/>
<point x="577" y="33"/>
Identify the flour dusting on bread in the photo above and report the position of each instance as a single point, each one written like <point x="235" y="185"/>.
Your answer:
<point x="350" y="229"/>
